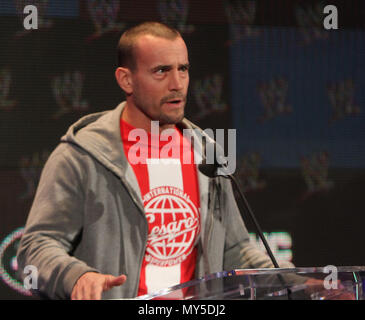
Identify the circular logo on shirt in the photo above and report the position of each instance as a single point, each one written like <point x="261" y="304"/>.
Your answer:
<point x="173" y="224"/>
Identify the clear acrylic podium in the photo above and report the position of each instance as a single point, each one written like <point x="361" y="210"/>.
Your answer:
<point x="271" y="284"/>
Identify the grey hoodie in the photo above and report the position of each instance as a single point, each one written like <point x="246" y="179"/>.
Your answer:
<point x="88" y="215"/>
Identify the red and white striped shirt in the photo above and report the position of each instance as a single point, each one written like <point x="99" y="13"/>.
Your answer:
<point x="170" y="194"/>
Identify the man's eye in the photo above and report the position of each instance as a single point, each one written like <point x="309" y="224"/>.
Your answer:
<point x="161" y="71"/>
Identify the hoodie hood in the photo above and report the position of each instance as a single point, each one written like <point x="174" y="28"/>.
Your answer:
<point x="99" y="135"/>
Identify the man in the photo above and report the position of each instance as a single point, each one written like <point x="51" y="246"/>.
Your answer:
<point x="103" y="225"/>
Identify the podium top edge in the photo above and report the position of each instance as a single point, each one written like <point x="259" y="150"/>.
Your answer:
<point x="325" y="269"/>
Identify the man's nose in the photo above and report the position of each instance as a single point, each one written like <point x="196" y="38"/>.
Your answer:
<point x="176" y="81"/>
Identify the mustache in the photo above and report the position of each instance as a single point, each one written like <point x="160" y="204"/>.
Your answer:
<point x="173" y="96"/>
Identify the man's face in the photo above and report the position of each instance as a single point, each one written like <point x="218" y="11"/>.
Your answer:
<point x="161" y="78"/>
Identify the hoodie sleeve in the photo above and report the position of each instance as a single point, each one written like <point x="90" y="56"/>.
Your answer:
<point x="54" y="225"/>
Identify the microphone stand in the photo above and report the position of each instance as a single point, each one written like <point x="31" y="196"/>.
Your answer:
<point x="253" y="218"/>
<point x="258" y="228"/>
<point x="210" y="170"/>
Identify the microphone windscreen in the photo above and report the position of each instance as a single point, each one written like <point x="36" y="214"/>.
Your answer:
<point x="209" y="170"/>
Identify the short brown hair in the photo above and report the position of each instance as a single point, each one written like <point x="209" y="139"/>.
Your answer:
<point x="126" y="44"/>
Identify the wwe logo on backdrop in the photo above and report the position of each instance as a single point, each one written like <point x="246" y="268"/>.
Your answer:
<point x="249" y="172"/>
<point x="273" y="95"/>
<point x="342" y="96"/>
<point x="241" y="16"/>
<point x="67" y="90"/>
<point x="310" y="20"/>
<point x="208" y="96"/>
<point x="30" y="170"/>
<point x="42" y="7"/>
<point x="175" y="13"/>
<point x="104" y="15"/>
<point x="5" y="83"/>
<point x="315" y="172"/>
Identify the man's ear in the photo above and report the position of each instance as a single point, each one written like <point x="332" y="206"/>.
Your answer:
<point x="124" y="79"/>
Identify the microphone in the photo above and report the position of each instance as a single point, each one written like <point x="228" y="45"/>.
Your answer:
<point x="211" y="170"/>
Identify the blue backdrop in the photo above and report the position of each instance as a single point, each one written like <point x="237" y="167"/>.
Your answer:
<point x="309" y="69"/>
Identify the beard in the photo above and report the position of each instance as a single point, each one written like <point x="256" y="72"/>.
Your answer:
<point x="171" y="119"/>
<point x="157" y="112"/>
